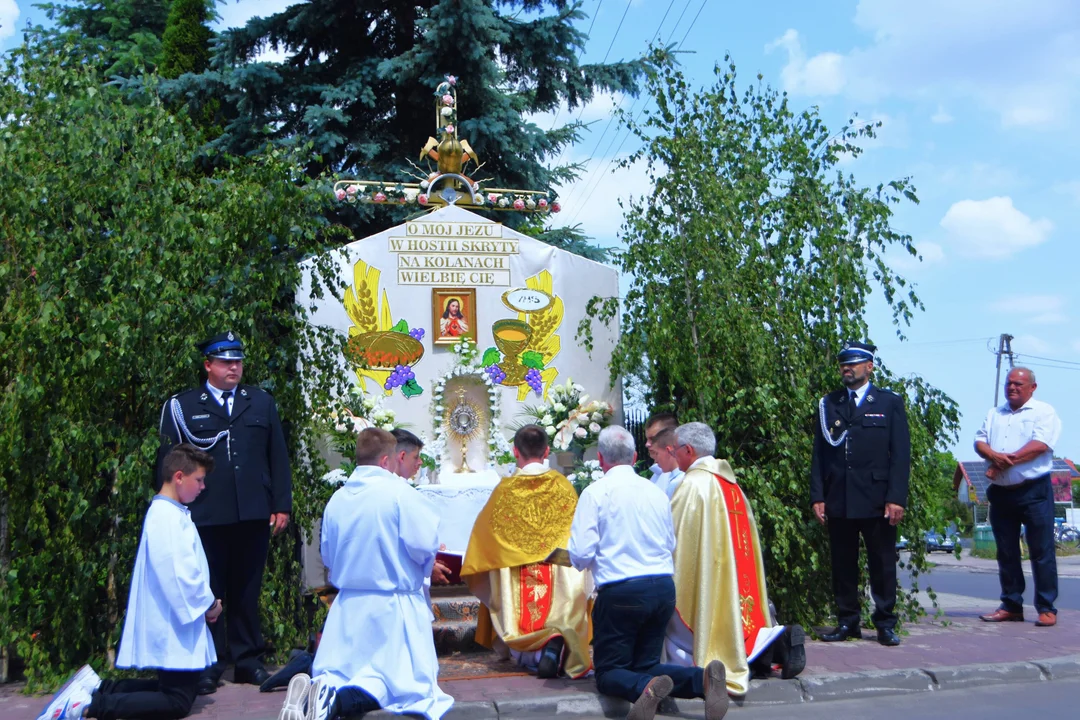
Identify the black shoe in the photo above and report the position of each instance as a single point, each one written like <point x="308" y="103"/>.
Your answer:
<point x="299" y="662"/>
<point x="549" y="659"/>
<point x="842" y="632"/>
<point x="206" y="686"/>
<point x="794" y="652"/>
<point x="255" y="676"/>
<point x="888" y="637"/>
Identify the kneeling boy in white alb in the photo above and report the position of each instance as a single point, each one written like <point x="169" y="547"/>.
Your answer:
<point x="169" y="604"/>
<point x="379" y="539"/>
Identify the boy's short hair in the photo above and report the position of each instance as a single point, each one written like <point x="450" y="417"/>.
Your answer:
<point x="668" y="419"/>
<point x="186" y="459"/>
<point x="665" y="438"/>
<point x="406" y="441"/>
<point x="372" y="444"/>
<point x="531" y="441"/>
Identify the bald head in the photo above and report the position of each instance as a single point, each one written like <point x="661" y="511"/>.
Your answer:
<point x="1019" y="387"/>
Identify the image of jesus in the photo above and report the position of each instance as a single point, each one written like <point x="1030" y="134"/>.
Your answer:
<point x="453" y="323"/>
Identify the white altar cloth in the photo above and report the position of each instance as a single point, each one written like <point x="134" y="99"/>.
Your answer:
<point x="459" y="498"/>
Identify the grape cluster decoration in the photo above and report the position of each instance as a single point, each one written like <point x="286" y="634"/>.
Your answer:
<point x="400" y="376"/>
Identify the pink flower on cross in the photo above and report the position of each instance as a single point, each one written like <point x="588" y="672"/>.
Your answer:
<point x="339" y="194"/>
<point x="492" y="198"/>
<point x="519" y="204"/>
<point x="379" y="197"/>
<point x="451" y="79"/>
<point x="449" y="129"/>
<point x="422" y="198"/>
<point x="555" y="207"/>
<point x="448" y="99"/>
<point x="542" y="202"/>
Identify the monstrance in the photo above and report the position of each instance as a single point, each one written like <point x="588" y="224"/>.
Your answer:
<point x="464" y="422"/>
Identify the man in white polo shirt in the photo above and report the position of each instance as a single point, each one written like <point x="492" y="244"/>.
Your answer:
<point x="1018" y="439"/>
<point x="622" y="532"/>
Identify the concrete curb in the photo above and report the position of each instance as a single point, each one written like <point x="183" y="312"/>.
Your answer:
<point x="812" y="688"/>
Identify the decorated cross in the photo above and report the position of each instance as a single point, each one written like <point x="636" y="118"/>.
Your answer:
<point x="448" y="183"/>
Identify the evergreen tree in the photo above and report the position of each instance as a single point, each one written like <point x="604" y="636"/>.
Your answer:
<point x="124" y="35"/>
<point x="358" y="79"/>
<point x="185" y="44"/>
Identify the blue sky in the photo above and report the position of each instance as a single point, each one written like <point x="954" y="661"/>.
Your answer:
<point x="979" y="102"/>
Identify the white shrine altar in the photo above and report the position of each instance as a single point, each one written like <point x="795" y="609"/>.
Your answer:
<point x="457" y="325"/>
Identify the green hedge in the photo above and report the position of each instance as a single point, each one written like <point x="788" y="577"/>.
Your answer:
<point x="118" y="253"/>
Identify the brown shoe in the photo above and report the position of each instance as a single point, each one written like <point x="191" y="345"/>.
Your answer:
<point x="716" y="694"/>
<point x="657" y="689"/>
<point x="1003" y="615"/>
<point x="1046" y="619"/>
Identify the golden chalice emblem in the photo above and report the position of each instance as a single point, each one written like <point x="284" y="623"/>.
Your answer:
<point x="512" y="337"/>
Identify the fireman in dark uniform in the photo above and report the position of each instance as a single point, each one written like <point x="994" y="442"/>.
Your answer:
<point x="859" y="486"/>
<point x="248" y="496"/>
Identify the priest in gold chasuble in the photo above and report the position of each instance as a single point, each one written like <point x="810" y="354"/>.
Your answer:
<point x="721" y="605"/>
<point x="540" y="611"/>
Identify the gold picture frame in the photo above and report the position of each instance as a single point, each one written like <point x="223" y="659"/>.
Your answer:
<point x="447" y="326"/>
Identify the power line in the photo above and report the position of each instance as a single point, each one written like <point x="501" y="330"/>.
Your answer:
<point x="595" y="184"/>
<point x="1054" y="367"/>
<point x="1054" y="360"/>
<point x="588" y="34"/>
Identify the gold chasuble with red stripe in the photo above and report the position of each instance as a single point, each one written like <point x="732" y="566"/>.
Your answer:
<point x="719" y="577"/>
<point x="526" y="602"/>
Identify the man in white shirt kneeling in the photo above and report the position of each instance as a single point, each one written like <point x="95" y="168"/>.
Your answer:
<point x="379" y="539"/>
<point x="623" y="533"/>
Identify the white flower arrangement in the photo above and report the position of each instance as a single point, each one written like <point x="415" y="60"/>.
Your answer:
<point x="585" y="473"/>
<point x="570" y="419"/>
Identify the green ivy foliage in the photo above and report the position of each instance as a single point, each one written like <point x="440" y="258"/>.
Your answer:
<point x="117" y="253"/>
<point x="750" y="262"/>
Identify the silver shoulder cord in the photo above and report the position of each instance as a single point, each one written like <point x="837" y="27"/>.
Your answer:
<point x="825" y="427"/>
<point x="185" y="434"/>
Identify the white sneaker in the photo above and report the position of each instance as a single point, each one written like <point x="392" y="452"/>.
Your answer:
<point x="293" y="707"/>
<point x="76" y="690"/>
<point x="69" y="705"/>
<point x="320" y="699"/>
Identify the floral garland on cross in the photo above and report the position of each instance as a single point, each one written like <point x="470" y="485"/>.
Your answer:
<point x="467" y="362"/>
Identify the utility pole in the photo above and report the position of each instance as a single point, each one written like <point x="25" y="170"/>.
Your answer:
<point x="1004" y="348"/>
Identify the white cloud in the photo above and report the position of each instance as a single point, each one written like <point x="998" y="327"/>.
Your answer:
<point x="941" y="117"/>
<point x="931" y="252"/>
<point x="956" y="51"/>
<point x="928" y="254"/>
<point x="1036" y="309"/>
<point x="1071" y="188"/>
<point x="1030" y="344"/>
<point x="593" y="200"/>
<point x="993" y="228"/>
<point x="822" y="74"/>
<point x="9" y="14"/>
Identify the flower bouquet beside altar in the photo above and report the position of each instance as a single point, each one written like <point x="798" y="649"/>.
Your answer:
<point x="342" y="424"/>
<point x="572" y="421"/>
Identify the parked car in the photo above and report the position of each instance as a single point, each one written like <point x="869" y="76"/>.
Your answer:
<point x="901" y="543"/>
<point x="943" y="542"/>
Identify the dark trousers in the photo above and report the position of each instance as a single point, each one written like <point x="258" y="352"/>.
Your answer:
<point x="236" y="555"/>
<point x="352" y="701"/>
<point x="880" y="539"/>
<point x="1030" y="505"/>
<point x="629" y="622"/>
<point x="167" y="698"/>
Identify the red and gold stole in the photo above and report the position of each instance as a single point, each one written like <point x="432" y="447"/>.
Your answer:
<point x="742" y="540"/>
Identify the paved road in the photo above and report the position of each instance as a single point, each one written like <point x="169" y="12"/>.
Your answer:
<point x="1003" y="702"/>
<point x="985" y="585"/>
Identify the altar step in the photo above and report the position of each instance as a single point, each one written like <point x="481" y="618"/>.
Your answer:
<point x="455" y="612"/>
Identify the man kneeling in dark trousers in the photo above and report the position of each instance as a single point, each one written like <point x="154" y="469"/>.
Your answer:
<point x="623" y="533"/>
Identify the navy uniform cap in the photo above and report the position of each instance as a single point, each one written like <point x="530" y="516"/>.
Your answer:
<point x="856" y="352"/>
<point x="225" y="346"/>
